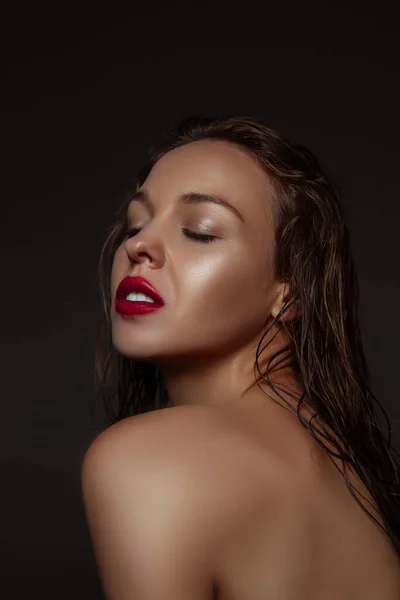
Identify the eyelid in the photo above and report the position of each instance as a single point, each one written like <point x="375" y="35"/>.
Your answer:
<point x="197" y="229"/>
<point x="194" y="235"/>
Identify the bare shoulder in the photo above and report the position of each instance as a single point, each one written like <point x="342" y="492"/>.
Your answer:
<point x="223" y="474"/>
<point x="187" y="436"/>
<point x="160" y="430"/>
<point x="246" y="500"/>
<point x="186" y="479"/>
<point x="150" y="518"/>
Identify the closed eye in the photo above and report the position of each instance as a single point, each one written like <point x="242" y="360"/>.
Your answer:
<point x="187" y="232"/>
<point x="199" y="236"/>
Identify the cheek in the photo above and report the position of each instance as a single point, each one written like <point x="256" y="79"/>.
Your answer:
<point x="227" y="287"/>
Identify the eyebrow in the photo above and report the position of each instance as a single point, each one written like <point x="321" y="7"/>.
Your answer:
<point x="190" y="198"/>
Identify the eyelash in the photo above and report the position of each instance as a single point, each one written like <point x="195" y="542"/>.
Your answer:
<point x="205" y="239"/>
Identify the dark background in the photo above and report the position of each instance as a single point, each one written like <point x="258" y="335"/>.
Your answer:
<point x="82" y="96"/>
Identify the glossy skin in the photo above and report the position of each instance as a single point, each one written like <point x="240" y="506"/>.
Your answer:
<point x="201" y="503"/>
<point x="219" y="296"/>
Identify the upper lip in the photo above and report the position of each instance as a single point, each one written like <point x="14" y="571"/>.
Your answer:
<point x="137" y="284"/>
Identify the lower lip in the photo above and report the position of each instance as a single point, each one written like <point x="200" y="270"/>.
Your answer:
<point x="129" y="307"/>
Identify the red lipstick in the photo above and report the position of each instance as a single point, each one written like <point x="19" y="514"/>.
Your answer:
<point x="140" y="307"/>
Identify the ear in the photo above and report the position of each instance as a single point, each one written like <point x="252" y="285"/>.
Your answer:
<point x="282" y="300"/>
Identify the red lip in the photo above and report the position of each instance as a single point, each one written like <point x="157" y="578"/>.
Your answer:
<point x="139" y="285"/>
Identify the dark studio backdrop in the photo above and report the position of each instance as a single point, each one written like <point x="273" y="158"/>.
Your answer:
<point x="82" y="96"/>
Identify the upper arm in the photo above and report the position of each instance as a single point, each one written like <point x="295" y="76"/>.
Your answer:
<point x="147" y="522"/>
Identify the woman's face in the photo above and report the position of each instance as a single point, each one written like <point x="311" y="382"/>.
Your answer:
<point x="218" y="295"/>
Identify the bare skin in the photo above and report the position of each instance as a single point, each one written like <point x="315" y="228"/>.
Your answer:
<point x="323" y="546"/>
<point x="272" y="517"/>
<point x="219" y="298"/>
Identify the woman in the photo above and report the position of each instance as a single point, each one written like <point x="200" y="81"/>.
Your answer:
<point x="245" y="459"/>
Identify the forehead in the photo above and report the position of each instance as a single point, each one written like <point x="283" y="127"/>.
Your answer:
<point x="213" y="167"/>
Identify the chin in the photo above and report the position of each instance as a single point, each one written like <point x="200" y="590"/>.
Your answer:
<point x="132" y="350"/>
<point x="140" y="347"/>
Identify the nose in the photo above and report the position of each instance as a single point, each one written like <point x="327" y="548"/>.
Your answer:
<point x="148" y="250"/>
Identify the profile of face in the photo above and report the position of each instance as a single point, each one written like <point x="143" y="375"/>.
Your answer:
<point x="218" y="294"/>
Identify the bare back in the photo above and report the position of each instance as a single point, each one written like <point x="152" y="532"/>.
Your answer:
<point x="321" y="545"/>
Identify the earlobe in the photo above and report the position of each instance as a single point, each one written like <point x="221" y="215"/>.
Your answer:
<point x="289" y="313"/>
<point x="284" y="304"/>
